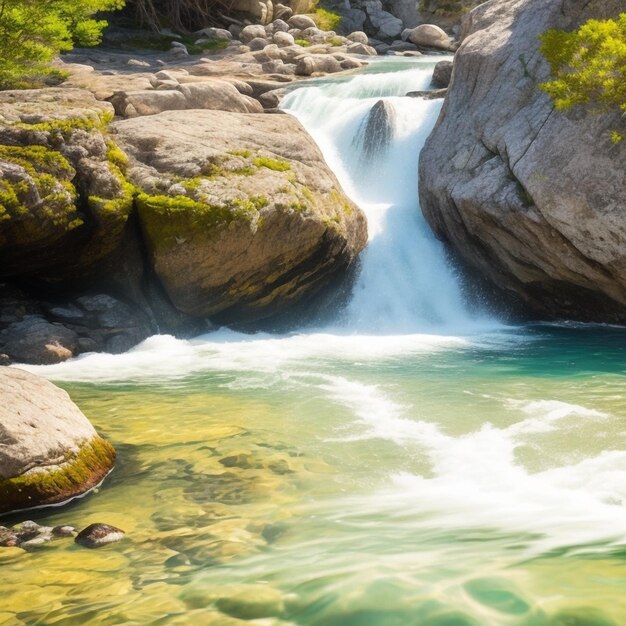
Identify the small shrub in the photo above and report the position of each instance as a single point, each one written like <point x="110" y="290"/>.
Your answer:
<point x="326" y="20"/>
<point x="588" y="66"/>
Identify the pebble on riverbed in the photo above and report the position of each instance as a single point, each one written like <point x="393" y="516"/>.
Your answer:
<point x="98" y="535"/>
<point x="29" y="534"/>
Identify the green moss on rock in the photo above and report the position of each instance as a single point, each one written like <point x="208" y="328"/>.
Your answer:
<point x="77" y="474"/>
<point x="168" y="220"/>
<point x="51" y="173"/>
<point x="66" y="126"/>
<point x="277" y="165"/>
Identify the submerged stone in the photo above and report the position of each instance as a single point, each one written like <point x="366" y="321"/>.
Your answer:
<point x="376" y="131"/>
<point x="497" y="594"/>
<point x="98" y="535"/>
<point x="50" y="452"/>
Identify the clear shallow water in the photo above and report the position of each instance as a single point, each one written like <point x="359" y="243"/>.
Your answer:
<point x="410" y="465"/>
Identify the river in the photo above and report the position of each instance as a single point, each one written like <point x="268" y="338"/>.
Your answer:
<point x="412" y="462"/>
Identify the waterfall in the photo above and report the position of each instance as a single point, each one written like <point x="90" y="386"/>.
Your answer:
<point x="371" y="137"/>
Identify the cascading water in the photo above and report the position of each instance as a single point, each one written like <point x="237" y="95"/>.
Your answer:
<point x="365" y="473"/>
<point x="371" y="137"/>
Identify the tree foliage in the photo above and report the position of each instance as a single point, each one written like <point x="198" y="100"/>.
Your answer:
<point x="33" y="32"/>
<point x="588" y="65"/>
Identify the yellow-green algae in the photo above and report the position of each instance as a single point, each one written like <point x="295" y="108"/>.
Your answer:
<point x="167" y="218"/>
<point x="78" y="473"/>
<point x="277" y="165"/>
<point x="51" y="173"/>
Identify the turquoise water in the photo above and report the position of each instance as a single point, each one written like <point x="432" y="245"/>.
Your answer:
<point x="411" y="464"/>
<point x="479" y="480"/>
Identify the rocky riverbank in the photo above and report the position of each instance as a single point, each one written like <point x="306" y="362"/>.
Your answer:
<point x="151" y="192"/>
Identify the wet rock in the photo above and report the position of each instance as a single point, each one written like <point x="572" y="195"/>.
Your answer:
<point x="377" y="129"/>
<point x="240" y="601"/>
<point x="238" y="460"/>
<point x="350" y="64"/>
<point x="98" y="535"/>
<point x="50" y="452"/>
<point x="442" y="74"/>
<point x="428" y="94"/>
<point x="35" y="340"/>
<point x="8" y="537"/>
<point x="64" y="531"/>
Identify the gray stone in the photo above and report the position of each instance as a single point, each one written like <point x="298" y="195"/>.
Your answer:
<point x="301" y="22"/>
<point x="402" y="46"/>
<point x="359" y="48"/>
<point x="137" y="63"/>
<point x="530" y="197"/>
<point x="235" y="266"/>
<point x="214" y="34"/>
<point x="442" y="74"/>
<point x="283" y="39"/>
<point x="429" y="36"/>
<point x="282" y="12"/>
<point x="358" y="37"/>
<point x="99" y="535"/>
<point x="317" y="64"/>
<point x="254" y="31"/>
<point x="258" y="43"/>
<point x="35" y="340"/>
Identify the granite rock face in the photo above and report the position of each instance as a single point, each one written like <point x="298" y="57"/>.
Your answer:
<point x="242" y="217"/>
<point x="49" y="451"/>
<point x="530" y="197"/>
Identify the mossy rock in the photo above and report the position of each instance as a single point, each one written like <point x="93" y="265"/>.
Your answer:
<point x="64" y="197"/>
<point x="241" y="217"/>
<point x="50" y="452"/>
<point x="79" y="472"/>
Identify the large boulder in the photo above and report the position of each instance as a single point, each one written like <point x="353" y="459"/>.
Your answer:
<point x="49" y="452"/>
<point x="531" y="197"/>
<point x="242" y="217"/>
<point x="63" y="201"/>
<point x="310" y="64"/>
<point x="429" y="36"/>
<point x="214" y="94"/>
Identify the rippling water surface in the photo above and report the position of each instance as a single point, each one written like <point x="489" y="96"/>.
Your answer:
<point x="413" y="464"/>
